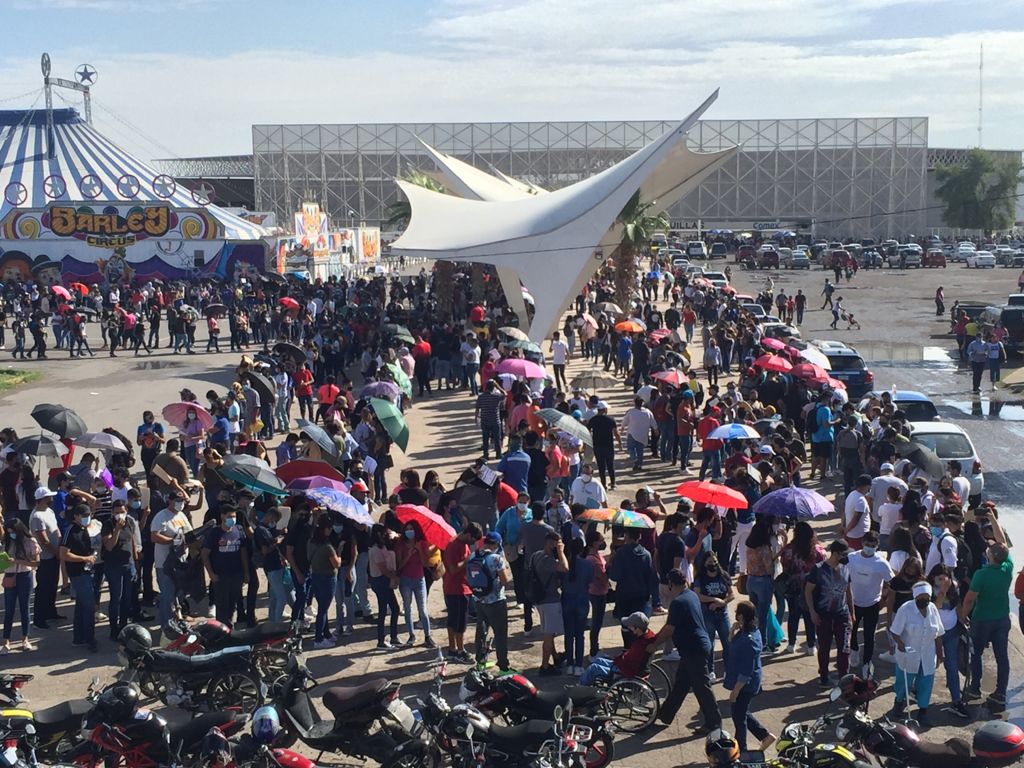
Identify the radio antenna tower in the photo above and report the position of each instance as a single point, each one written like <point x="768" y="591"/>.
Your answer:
<point x="981" y="90"/>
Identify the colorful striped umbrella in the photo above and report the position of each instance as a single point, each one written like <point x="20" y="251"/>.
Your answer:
<point x="627" y="518"/>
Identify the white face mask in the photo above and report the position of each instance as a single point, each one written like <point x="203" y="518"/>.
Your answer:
<point x="522" y="507"/>
<point x="178" y="506"/>
<point x="121" y="517"/>
<point x="586" y="478"/>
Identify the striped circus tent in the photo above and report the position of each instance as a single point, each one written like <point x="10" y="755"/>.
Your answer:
<point x="86" y="168"/>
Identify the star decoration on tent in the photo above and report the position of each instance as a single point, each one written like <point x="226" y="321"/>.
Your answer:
<point x="91" y="186"/>
<point x="86" y="75"/>
<point x="164" y="186"/>
<point x="128" y="185"/>
<point x="54" y="187"/>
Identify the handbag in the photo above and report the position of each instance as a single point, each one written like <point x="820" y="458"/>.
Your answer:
<point x="741" y="583"/>
<point x="9" y="581"/>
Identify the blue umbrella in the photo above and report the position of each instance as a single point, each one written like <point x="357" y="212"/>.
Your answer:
<point x="343" y="503"/>
<point x="734" y="431"/>
<point x="799" y="503"/>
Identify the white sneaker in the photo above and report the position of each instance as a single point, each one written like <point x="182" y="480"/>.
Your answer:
<point x="791" y="648"/>
<point x="828" y="473"/>
<point x="855" y="657"/>
<point x="101" y="616"/>
<point x="211" y="612"/>
<point x="810" y="650"/>
<point x="712" y="676"/>
<point x="323" y="645"/>
<point x="673" y="656"/>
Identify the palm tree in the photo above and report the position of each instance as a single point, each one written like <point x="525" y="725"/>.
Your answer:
<point x="399" y="212"/>
<point x="638" y="225"/>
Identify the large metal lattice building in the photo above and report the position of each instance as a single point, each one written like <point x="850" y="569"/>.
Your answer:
<point x="856" y="176"/>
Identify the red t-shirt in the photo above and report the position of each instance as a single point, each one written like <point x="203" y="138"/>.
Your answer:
<point x="327" y="393"/>
<point x="303" y="383"/>
<point x="631" y="662"/>
<point x="454" y="582"/>
<point x="705" y="427"/>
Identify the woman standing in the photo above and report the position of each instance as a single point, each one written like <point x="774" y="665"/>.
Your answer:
<point x="917" y="629"/>
<point x="575" y="604"/>
<point x="323" y="575"/>
<point x="798" y="559"/>
<point x="24" y="552"/>
<point x="714" y="590"/>
<point x="760" y="572"/>
<point x="598" y="590"/>
<point x="743" y="676"/>
<point x="383" y="579"/>
<point x="947" y="600"/>
<point x="412" y="553"/>
<point x="192" y="440"/>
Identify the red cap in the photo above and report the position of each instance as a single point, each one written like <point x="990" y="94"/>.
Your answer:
<point x="359" y="485"/>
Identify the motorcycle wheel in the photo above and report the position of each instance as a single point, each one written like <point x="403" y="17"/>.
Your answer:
<point x="271" y="663"/>
<point x="600" y="751"/>
<point x="413" y="754"/>
<point x="234" y="689"/>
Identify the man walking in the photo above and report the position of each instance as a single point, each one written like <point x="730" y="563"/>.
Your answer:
<point x="830" y="600"/>
<point x="827" y="292"/>
<point x="488" y="574"/>
<point x="977" y="355"/>
<point x="638" y="422"/>
<point x="488" y="416"/>
<point x="559" y="357"/>
<point x="604" y="430"/>
<point x="988" y="604"/>
<point x="800" y="300"/>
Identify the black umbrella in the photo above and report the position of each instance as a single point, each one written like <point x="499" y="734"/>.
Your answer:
<point x="477" y="502"/>
<point x="59" y="419"/>
<point x="922" y="457"/>
<point x="216" y="310"/>
<point x="318" y="435"/>
<point x="285" y="349"/>
<point x="40" y="445"/>
<point x="255" y="474"/>
<point x="263" y="385"/>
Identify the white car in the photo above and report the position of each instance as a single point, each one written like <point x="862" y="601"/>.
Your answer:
<point x="951" y="443"/>
<point x="696" y="249"/>
<point x="680" y="263"/>
<point x="712" y="276"/>
<point x="979" y="259"/>
<point x="755" y="309"/>
<point x="694" y="270"/>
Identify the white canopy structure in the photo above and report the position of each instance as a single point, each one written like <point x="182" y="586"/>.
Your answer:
<point x="553" y="241"/>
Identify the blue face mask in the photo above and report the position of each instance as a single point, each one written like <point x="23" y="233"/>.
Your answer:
<point x="410" y="535"/>
<point x="136" y="504"/>
<point x="337" y="528"/>
<point x="86" y="519"/>
<point x="936" y="530"/>
<point x="229" y="523"/>
<point x="868" y="551"/>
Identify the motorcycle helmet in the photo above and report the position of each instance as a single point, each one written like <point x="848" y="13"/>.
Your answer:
<point x="215" y="749"/>
<point x="472" y="685"/>
<point x="856" y="690"/>
<point x="265" y="725"/>
<point x="721" y="749"/>
<point x="118" y="704"/>
<point x="135" y="639"/>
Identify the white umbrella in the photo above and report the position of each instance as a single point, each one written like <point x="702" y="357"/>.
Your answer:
<point x="103" y="441"/>
<point x="735" y="431"/>
<point x="812" y="355"/>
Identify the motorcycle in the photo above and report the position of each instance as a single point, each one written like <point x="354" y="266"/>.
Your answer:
<point x="47" y="734"/>
<point x="809" y="746"/>
<point x="271" y="642"/>
<point x="370" y="719"/>
<point x="122" y="734"/>
<point x="223" y="679"/>
<point x="251" y="751"/>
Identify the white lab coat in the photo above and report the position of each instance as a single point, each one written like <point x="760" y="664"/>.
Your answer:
<point x="918" y="634"/>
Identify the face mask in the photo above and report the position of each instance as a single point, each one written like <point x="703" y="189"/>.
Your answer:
<point x="191" y="417"/>
<point x="337" y="528"/>
<point x="136" y="504"/>
<point x="586" y="478"/>
<point x="936" y="530"/>
<point x="86" y="519"/>
<point x="121" y="517"/>
<point x="922" y="603"/>
<point x="410" y="535"/>
<point x="868" y="551"/>
<point x="178" y="506"/>
<point x="522" y="507"/>
<point x="844" y="560"/>
<point x="229" y="523"/>
<point x="602" y="546"/>
<point x="712" y="568"/>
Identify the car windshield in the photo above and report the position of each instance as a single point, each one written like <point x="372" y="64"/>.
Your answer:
<point x="918" y="410"/>
<point x="947" y="445"/>
<point x="846" y="363"/>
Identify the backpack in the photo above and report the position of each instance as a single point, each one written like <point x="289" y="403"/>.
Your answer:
<point x="811" y="422"/>
<point x="964" y="568"/>
<point x="536" y="588"/>
<point x="478" y="576"/>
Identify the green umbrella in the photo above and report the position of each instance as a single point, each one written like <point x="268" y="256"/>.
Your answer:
<point x="397" y="331"/>
<point x="392" y="420"/>
<point x="526" y="346"/>
<point x="399" y="377"/>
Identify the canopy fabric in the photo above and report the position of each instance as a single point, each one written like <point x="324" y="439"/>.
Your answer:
<point x="80" y="151"/>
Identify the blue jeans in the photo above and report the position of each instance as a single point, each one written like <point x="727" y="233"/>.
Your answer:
<point x="362" y="581"/>
<point x="17" y="596"/>
<point x="386" y="602"/>
<point x="322" y="587"/>
<point x="760" y="589"/>
<point x="278" y="594"/>
<point x="666" y="438"/>
<point x="601" y="668"/>
<point x="469" y="377"/>
<point x="717" y="623"/>
<point x="993" y="369"/>
<point x="597" y="606"/>
<point x="84" y="629"/>
<point x="997" y="632"/>
<point x="743" y="718"/>
<point x="950" y="642"/>
<point x="917" y="681"/>
<point x="635" y="449"/>
<point x="165" y="608"/>
<point x="713" y="459"/>
<point x="346" y="600"/>
<point x="410" y="588"/>
<point x="491" y="434"/>
<point x="119" y="579"/>
<point x="574" y="619"/>
<point x="684" y="446"/>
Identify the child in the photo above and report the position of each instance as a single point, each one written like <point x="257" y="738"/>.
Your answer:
<point x="850" y="321"/>
<point x="630" y="663"/>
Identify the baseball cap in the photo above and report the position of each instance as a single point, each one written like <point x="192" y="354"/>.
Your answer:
<point x="359" y="485"/>
<point x="887" y="467"/>
<point x="42" y="492"/>
<point x="602" y="405"/>
<point x="636" y="620"/>
<point x="493" y="536"/>
<point x="766" y="450"/>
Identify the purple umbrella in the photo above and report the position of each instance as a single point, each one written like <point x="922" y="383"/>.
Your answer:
<point x="798" y="503"/>
<point x="382" y="389"/>
<point x="316" y="481"/>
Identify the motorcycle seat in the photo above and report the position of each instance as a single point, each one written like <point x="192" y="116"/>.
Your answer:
<point x="261" y="633"/>
<point x="172" y="661"/>
<point x="192" y="731"/>
<point x="517" y="738"/>
<point x="13" y="677"/>
<point x="582" y="697"/>
<point x="342" y="699"/>
<point x="68" y="713"/>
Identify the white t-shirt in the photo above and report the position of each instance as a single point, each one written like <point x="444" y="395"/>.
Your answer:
<point x="590" y="494"/>
<point x="880" y="491"/>
<point x="867" y="575"/>
<point x="897" y="559"/>
<point x="169" y="523"/>
<point x="559" y="352"/>
<point x="947" y="553"/>
<point x="962" y="486"/>
<point x="45" y="520"/>
<point x="857" y="507"/>
<point x="638" y="423"/>
<point x="470" y="353"/>
<point x="888" y="516"/>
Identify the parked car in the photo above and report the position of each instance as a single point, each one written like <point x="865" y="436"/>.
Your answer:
<point x="755" y="309"/>
<point x="952" y="443"/>
<point x="1012" y="319"/>
<point x="915" y="405"/>
<point x="906" y="256"/>
<point x="980" y="259"/>
<point x="695" y="249"/>
<point x="849" y="367"/>
<point x="934" y="258"/>
<point x="1016" y="259"/>
<point x="767" y="258"/>
<point x="680" y="265"/>
<point x="718" y="251"/>
<point x="713" y="276"/>
<point x="776" y="330"/>
<point x="1003" y="254"/>
<point x="794" y="259"/>
<point x="746" y="255"/>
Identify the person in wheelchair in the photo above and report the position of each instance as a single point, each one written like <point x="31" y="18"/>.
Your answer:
<point x="630" y="663"/>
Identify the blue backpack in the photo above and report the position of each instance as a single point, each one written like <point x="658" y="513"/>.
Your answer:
<point x="479" y="576"/>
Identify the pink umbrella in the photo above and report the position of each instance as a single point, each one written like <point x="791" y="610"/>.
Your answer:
<point x="317" y="481"/>
<point x="773" y="363"/>
<point x="520" y="367"/>
<point x="672" y="378"/>
<point x="176" y="414"/>
<point x="770" y="343"/>
<point x="810" y="371"/>
<point x="61" y="291"/>
<point x="435" y="530"/>
<point x="836" y="383"/>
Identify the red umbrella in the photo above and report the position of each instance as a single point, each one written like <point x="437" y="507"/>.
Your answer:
<point x="773" y="363"/>
<point x="656" y="337"/>
<point x="672" y="378"/>
<point x="80" y="288"/>
<point x="793" y="352"/>
<point x="176" y="413"/>
<point x="835" y="383"/>
<point x="713" y="493"/>
<point x="810" y="371"/>
<point x="770" y="343"/>
<point x="435" y="530"/>
<point x="507" y="496"/>
<point x="519" y="367"/>
<point x="293" y="470"/>
<point x="289" y="303"/>
<point x="61" y="291"/>
<point x="317" y="481"/>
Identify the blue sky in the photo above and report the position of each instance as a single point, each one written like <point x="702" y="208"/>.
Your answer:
<point x="189" y="77"/>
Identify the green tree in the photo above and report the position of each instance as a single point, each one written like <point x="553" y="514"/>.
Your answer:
<point x="399" y="212"/>
<point x="979" y="194"/>
<point x="639" y="223"/>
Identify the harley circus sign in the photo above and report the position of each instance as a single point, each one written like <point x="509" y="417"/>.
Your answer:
<point x="110" y="228"/>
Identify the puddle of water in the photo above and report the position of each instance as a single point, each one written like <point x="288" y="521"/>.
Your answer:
<point x="155" y="365"/>
<point x="901" y="355"/>
<point x="993" y="409"/>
